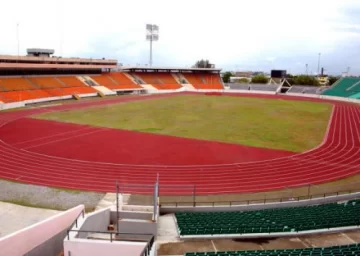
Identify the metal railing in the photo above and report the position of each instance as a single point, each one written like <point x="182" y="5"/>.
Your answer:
<point x="112" y="237"/>
<point x="257" y="201"/>
<point x="75" y="222"/>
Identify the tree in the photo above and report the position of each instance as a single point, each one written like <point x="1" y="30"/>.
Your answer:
<point x="306" y="80"/>
<point x="259" y="79"/>
<point x="226" y="77"/>
<point x="243" y="81"/>
<point x="333" y="79"/>
<point x="202" y="64"/>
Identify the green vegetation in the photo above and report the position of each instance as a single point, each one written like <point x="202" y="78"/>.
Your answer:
<point x="243" y="81"/>
<point x="269" y="123"/>
<point x="226" y="77"/>
<point x="202" y="64"/>
<point x="306" y="80"/>
<point x="259" y="79"/>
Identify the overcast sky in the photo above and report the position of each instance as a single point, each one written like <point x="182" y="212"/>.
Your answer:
<point x="233" y="34"/>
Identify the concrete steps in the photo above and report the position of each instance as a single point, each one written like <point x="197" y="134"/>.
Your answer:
<point x="104" y="90"/>
<point x="88" y="81"/>
<point x="149" y="87"/>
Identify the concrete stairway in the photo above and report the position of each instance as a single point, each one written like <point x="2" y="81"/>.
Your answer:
<point x="104" y="90"/>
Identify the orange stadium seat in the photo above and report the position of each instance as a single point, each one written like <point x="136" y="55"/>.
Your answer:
<point x="204" y="81"/>
<point x="79" y="90"/>
<point x="115" y="80"/>
<point x="22" y="95"/>
<point x="45" y="82"/>
<point x="123" y="82"/>
<point x="71" y="81"/>
<point x="161" y="81"/>
<point x="15" y="84"/>
<point x="55" y="92"/>
<point x="103" y="80"/>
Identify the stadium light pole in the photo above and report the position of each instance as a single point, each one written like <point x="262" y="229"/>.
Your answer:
<point x="152" y="34"/>
<point x="319" y="64"/>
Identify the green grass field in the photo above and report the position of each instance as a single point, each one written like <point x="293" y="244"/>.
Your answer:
<point x="270" y="123"/>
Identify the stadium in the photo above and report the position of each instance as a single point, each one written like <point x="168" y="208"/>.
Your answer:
<point x="101" y="158"/>
<point x="89" y="125"/>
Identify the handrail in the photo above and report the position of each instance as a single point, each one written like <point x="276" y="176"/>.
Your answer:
<point x="82" y="213"/>
<point x="256" y="201"/>
<point x="146" y="250"/>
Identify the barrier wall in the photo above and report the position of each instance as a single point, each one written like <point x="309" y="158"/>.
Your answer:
<point x="183" y="89"/>
<point x="253" y="207"/>
<point x="83" y="247"/>
<point x="97" y="221"/>
<point x="27" y="239"/>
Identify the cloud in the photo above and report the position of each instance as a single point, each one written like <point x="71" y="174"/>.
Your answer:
<point x="247" y="34"/>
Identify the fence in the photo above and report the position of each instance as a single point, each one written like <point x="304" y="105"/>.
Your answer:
<point x="291" y="198"/>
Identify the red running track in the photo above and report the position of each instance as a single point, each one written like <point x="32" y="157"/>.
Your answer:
<point x="97" y="144"/>
<point x="337" y="157"/>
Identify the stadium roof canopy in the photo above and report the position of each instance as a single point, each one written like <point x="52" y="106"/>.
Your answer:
<point x="167" y="69"/>
<point x="46" y="62"/>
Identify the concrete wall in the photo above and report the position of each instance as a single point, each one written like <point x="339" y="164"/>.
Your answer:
<point x="136" y="227"/>
<point x="37" y="235"/>
<point x="97" y="221"/>
<point x="253" y="207"/>
<point x="4" y="106"/>
<point x="52" y="247"/>
<point x="83" y="247"/>
<point x="131" y="215"/>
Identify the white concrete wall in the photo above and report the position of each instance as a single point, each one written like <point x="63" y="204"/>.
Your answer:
<point x="83" y="247"/>
<point x="23" y="241"/>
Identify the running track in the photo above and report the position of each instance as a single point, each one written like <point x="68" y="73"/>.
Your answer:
<point x="337" y="157"/>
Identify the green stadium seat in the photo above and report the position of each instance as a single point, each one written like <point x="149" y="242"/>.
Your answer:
<point x="292" y="219"/>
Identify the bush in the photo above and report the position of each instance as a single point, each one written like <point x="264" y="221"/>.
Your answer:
<point x="306" y="80"/>
<point x="259" y="79"/>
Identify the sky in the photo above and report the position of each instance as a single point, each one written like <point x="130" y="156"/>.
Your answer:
<point x="236" y="35"/>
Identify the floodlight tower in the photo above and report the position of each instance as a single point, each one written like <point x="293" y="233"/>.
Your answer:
<point x="152" y="34"/>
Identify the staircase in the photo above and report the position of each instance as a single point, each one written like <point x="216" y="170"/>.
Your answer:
<point x="87" y="81"/>
<point x="103" y="90"/>
<point x="137" y="79"/>
<point x="149" y="87"/>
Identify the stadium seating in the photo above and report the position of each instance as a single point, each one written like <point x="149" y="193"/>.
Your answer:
<point x="45" y="82"/>
<point x="15" y="84"/>
<point x="103" y="80"/>
<point x="115" y="81"/>
<point x="304" y="89"/>
<point x="70" y="81"/>
<point x="355" y="96"/>
<point x="263" y="87"/>
<point x="29" y="88"/>
<point x="204" y="81"/>
<point x="345" y="87"/>
<point x="161" y="81"/>
<point x="234" y="86"/>
<point x="272" y="220"/>
<point x="339" y="250"/>
<point x="14" y="96"/>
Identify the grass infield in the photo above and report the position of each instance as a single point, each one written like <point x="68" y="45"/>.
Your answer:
<point x="269" y="123"/>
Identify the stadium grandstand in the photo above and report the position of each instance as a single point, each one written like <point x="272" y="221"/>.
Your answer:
<point x="347" y="87"/>
<point x="40" y="76"/>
